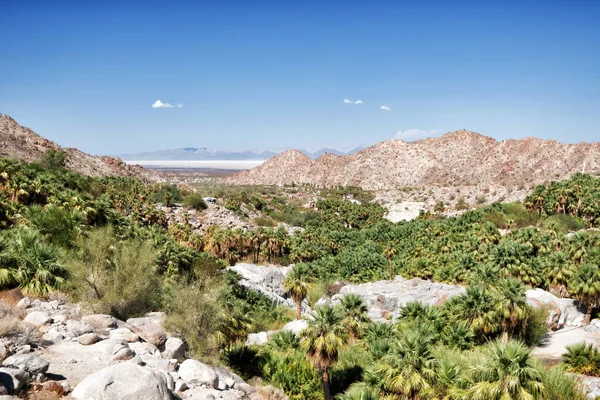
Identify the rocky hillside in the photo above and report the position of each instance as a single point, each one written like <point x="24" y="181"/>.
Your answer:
<point x="457" y="158"/>
<point x="24" y="144"/>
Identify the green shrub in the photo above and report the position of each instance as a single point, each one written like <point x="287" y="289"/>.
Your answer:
<point x="461" y="204"/>
<point x="60" y="226"/>
<point x="582" y="358"/>
<point x="195" y="201"/>
<point x="54" y="159"/>
<point x="115" y="277"/>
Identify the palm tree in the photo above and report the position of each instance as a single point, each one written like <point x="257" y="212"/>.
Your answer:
<point x="322" y="340"/>
<point x="477" y="308"/>
<point x="296" y="283"/>
<point x="390" y="252"/>
<point x="508" y="373"/>
<point x="511" y="305"/>
<point x="354" y="310"/>
<point x="29" y="262"/>
<point x="585" y="286"/>
<point x="358" y="392"/>
<point x="409" y="368"/>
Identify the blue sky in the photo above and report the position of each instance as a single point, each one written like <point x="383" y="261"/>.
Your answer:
<point x="267" y="74"/>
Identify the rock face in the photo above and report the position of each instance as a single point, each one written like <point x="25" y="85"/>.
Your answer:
<point x="125" y="381"/>
<point x="23" y="144"/>
<point x="385" y="299"/>
<point x="457" y="158"/>
<point x="268" y="281"/>
<point x="561" y="311"/>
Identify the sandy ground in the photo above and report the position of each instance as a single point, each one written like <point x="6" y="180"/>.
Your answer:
<point x="557" y="342"/>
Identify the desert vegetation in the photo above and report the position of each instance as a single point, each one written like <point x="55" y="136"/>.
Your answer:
<point x="106" y="243"/>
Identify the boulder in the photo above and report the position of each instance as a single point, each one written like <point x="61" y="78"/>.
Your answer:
<point x="38" y="318"/>
<point x="560" y="310"/>
<point x="122" y="352"/>
<point x="156" y="362"/>
<point x="194" y="372"/>
<point x="296" y="326"/>
<point x="124" y="381"/>
<point x="25" y="302"/>
<point x="142" y="348"/>
<point x="124" y="334"/>
<point x="60" y="318"/>
<point x="259" y="338"/>
<point x="89" y="338"/>
<point x="28" y="362"/>
<point x="77" y="328"/>
<point x="226" y="379"/>
<point x="149" y="328"/>
<point x="53" y="335"/>
<point x="174" y="348"/>
<point x="99" y="321"/>
<point x="13" y="378"/>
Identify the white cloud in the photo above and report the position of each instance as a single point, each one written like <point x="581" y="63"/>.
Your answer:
<point x="347" y="101"/>
<point x="359" y="102"/>
<point x="160" y="104"/>
<point x="414" y="134"/>
<point x="385" y="108"/>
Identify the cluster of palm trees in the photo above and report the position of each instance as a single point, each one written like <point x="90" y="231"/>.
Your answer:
<point x="422" y="356"/>
<point x="577" y="196"/>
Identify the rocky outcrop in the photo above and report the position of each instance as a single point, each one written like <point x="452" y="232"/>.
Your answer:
<point x="457" y="158"/>
<point x="385" y="299"/>
<point x="268" y="281"/>
<point x="561" y="312"/>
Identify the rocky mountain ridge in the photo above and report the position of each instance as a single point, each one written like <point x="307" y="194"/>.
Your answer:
<point x="22" y="143"/>
<point x="457" y="158"/>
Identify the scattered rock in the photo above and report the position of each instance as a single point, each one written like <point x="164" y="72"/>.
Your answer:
<point x="53" y="335"/>
<point x="174" y="348"/>
<point x="194" y="372"/>
<point x="124" y="381"/>
<point x="158" y="363"/>
<point x="37" y="318"/>
<point x="13" y="378"/>
<point x="99" y="321"/>
<point x="259" y="338"/>
<point x="28" y="362"/>
<point x="60" y="318"/>
<point x="89" y="338"/>
<point x="124" y="334"/>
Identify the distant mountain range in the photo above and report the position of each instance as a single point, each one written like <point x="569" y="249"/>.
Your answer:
<point x="457" y="158"/>
<point x="204" y="153"/>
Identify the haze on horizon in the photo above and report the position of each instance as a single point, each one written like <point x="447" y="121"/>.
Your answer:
<point x="113" y="78"/>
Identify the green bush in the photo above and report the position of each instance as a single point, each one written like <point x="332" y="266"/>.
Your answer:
<point x="115" y="277"/>
<point x="54" y="159"/>
<point x="195" y="201"/>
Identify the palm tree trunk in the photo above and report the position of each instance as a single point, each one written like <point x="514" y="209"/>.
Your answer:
<point x="326" y="391"/>
<point x="298" y="310"/>
<point x="391" y="269"/>
<point x="588" y="316"/>
<point x="505" y="335"/>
